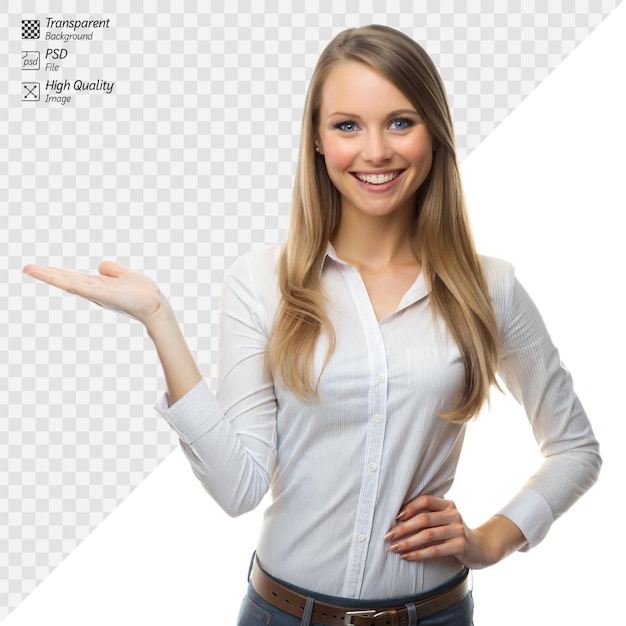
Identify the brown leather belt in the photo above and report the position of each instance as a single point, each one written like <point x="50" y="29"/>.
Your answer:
<point x="293" y="603"/>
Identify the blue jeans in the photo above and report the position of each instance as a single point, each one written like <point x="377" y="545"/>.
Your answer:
<point x="257" y="612"/>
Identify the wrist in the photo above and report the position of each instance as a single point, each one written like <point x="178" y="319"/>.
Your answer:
<point x="161" y="320"/>
<point x="180" y="369"/>
<point x="499" y="538"/>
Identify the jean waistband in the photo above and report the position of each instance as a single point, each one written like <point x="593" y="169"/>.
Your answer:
<point x="358" y="603"/>
<point x="312" y="607"/>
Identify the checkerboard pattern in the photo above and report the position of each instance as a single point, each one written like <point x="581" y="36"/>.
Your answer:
<point x="30" y="29"/>
<point x="185" y="166"/>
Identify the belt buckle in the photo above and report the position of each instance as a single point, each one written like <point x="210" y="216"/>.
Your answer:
<point x="371" y="613"/>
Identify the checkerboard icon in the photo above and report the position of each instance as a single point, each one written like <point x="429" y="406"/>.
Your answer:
<point x="30" y="29"/>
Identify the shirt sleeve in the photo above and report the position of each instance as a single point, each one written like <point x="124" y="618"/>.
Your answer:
<point x="230" y="437"/>
<point x="532" y="371"/>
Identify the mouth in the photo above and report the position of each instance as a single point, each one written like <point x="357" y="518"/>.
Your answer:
<point x="378" y="181"/>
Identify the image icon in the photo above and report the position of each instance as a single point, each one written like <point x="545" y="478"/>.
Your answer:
<point x="30" y="29"/>
<point x="30" y="92"/>
<point x="31" y="60"/>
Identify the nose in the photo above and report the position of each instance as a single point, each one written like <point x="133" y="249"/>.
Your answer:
<point x="376" y="148"/>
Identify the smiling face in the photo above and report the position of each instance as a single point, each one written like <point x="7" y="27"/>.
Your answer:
<point x="377" y="149"/>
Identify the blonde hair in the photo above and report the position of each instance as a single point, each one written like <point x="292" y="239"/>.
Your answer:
<point x="443" y="240"/>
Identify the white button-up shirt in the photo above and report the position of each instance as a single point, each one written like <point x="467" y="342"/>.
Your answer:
<point x="341" y="467"/>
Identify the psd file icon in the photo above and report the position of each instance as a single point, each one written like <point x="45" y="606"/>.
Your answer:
<point x="30" y="92"/>
<point x="31" y="60"/>
<point x="30" y="29"/>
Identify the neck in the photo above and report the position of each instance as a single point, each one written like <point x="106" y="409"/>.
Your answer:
<point x="374" y="242"/>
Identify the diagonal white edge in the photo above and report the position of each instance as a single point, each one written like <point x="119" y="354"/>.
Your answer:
<point x="545" y="191"/>
<point x="161" y="557"/>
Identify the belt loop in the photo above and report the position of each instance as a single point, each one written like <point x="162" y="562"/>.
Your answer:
<point x="308" y="612"/>
<point x="412" y="610"/>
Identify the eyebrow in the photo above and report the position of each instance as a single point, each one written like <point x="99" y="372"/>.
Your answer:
<point x="390" y="115"/>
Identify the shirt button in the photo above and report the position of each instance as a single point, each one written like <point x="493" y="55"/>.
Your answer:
<point x="372" y="467"/>
<point x="380" y="378"/>
<point x="361" y="537"/>
<point x="378" y="418"/>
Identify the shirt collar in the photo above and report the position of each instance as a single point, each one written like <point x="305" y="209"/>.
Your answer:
<point x="417" y="291"/>
<point x="331" y="253"/>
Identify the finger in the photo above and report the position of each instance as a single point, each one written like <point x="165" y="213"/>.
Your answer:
<point x="422" y="521"/>
<point x="421" y="503"/>
<point x="27" y="269"/>
<point x="68" y="280"/>
<point x="423" y="512"/>
<point x="55" y="276"/>
<point x="112" y="269"/>
<point x="428" y="537"/>
<point x="453" y="547"/>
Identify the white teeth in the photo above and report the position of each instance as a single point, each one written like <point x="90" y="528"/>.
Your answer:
<point x="377" y="179"/>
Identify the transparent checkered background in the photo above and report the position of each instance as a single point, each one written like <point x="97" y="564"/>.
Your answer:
<point x="184" y="167"/>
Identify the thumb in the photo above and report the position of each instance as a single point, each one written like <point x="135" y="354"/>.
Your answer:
<point x="111" y="268"/>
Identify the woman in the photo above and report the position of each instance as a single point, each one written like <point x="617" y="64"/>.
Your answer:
<point x="351" y="358"/>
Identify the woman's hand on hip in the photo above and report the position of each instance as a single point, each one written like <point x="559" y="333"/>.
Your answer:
<point x="116" y="287"/>
<point x="431" y="527"/>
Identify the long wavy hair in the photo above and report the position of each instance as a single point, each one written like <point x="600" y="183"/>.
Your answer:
<point x="443" y="241"/>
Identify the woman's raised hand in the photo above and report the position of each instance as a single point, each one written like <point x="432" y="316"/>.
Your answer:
<point x="116" y="287"/>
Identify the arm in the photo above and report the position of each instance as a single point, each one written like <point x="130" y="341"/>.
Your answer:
<point x="231" y="449"/>
<point x="531" y="369"/>
<point x="179" y="367"/>
<point x="131" y="293"/>
<point x="229" y="438"/>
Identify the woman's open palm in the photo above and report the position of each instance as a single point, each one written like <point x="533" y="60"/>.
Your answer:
<point x="115" y="287"/>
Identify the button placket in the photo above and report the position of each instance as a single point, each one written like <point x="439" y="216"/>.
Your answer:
<point x="375" y="433"/>
<point x="371" y="468"/>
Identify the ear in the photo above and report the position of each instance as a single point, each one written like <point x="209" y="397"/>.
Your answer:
<point x="317" y="144"/>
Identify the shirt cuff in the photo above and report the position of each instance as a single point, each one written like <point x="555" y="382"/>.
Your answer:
<point x="531" y="514"/>
<point x="193" y="415"/>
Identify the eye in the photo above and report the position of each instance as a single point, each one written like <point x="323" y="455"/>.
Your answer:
<point x="346" y="127"/>
<point x="401" y="124"/>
